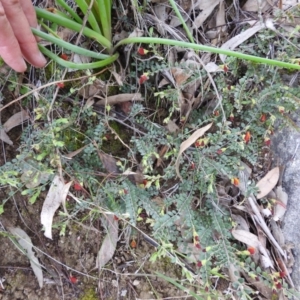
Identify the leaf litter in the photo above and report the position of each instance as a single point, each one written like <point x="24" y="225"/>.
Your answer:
<point x="211" y="14"/>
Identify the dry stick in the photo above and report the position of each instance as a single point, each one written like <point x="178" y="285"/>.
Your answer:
<point x="266" y="229"/>
<point x="263" y="224"/>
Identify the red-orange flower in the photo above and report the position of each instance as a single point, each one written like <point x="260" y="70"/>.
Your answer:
<point x="143" y="78"/>
<point x="225" y="68"/>
<point x="192" y="166"/>
<point x="251" y="250"/>
<point x="64" y="56"/>
<point x="133" y="244"/>
<point x="199" y="143"/>
<point x="142" y="51"/>
<point x="263" y="118"/>
<point x="235" y="181"/>
<point x="247" y="137"/>
<point x="77" y="186"/>
<point x="282" y="274"/>
<point x="278" y="285"/>
<point x="60" y="85"/>
<point x="73" y="279"/>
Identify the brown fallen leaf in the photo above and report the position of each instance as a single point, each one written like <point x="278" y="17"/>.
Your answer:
<point x="186" y="144"/>
<point x="56" y="195"/>
<point x="109" y="163"/>
<point x="26" y="245"/>
<point x="15" y="120"/>
<point x="256" y="6"/>
<point x="109" y="244"/>
<point x="280" y="207"/>
<point x="74" y="153"/>
<point x="268" y="182"/>
<point x="252" y="240"/>
<point x="235" y="41"/>
<point x="5" y="138"/>
<point x="111" y="100"/>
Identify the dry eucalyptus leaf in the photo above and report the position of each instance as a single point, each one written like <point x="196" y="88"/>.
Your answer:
<point x="91" y="89"/>
<point x="135" y="33"/>
<point x="118" y="78"/>
<point x="246" y="237"/>
<point x="277" y="233"/>
<point x="79" y="59"/>
<point x="267" y="183"/>
<point x="240" y="222"/>
<point x="232" y="271"/>
<point x="120" y="98"/>
<point x="5" y="138"/>
<point x="161" y="11"/>
<point x="180" y="75"/>
<point x="109" y="163"/>
<point x="74" y="153"/>
<point x="220" y="17"/>
<point x="90" y="102"/>
<point x="212" y="67"/>
<point x="16" y="120"/>
<point x="280" y="207"/>
<point x="118" y="36"/>
<point x="56" y="195"/>
<point x="172" y="126"/>
<point x="26" y="244"/>
<point x="186" y="144"/>
<point x="109" y="244"/>
<point x="266" y="261"/>
<point x="206" y="7"/>
<point x="240" y="38"/>
<point x="256" y="6"/>
<point x="32" y="177"/>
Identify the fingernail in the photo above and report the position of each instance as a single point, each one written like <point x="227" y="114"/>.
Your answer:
<point x="42" y="59"/>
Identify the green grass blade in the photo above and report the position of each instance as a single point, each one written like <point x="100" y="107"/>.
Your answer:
<point x="69" y="9"/>
<point x="149" y="40"/>
<point x="41" y="13"/>
<point x="69" y="46"/>
<point x="105" y="17"/>
<point x="91" y="18"/>
<point x="179" y="16"/>
<point x="71" y="65"/>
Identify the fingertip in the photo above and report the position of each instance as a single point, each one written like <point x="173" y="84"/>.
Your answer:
<point x="20" y="67"/>
<point x="41" y="60"/>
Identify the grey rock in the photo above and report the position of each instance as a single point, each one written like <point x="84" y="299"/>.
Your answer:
<point x="286" y="149"/>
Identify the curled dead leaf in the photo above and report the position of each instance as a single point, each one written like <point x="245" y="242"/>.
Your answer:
<point x="56" y="195"/>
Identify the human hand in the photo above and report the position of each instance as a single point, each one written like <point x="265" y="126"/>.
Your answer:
<point x="16" y="39"/>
